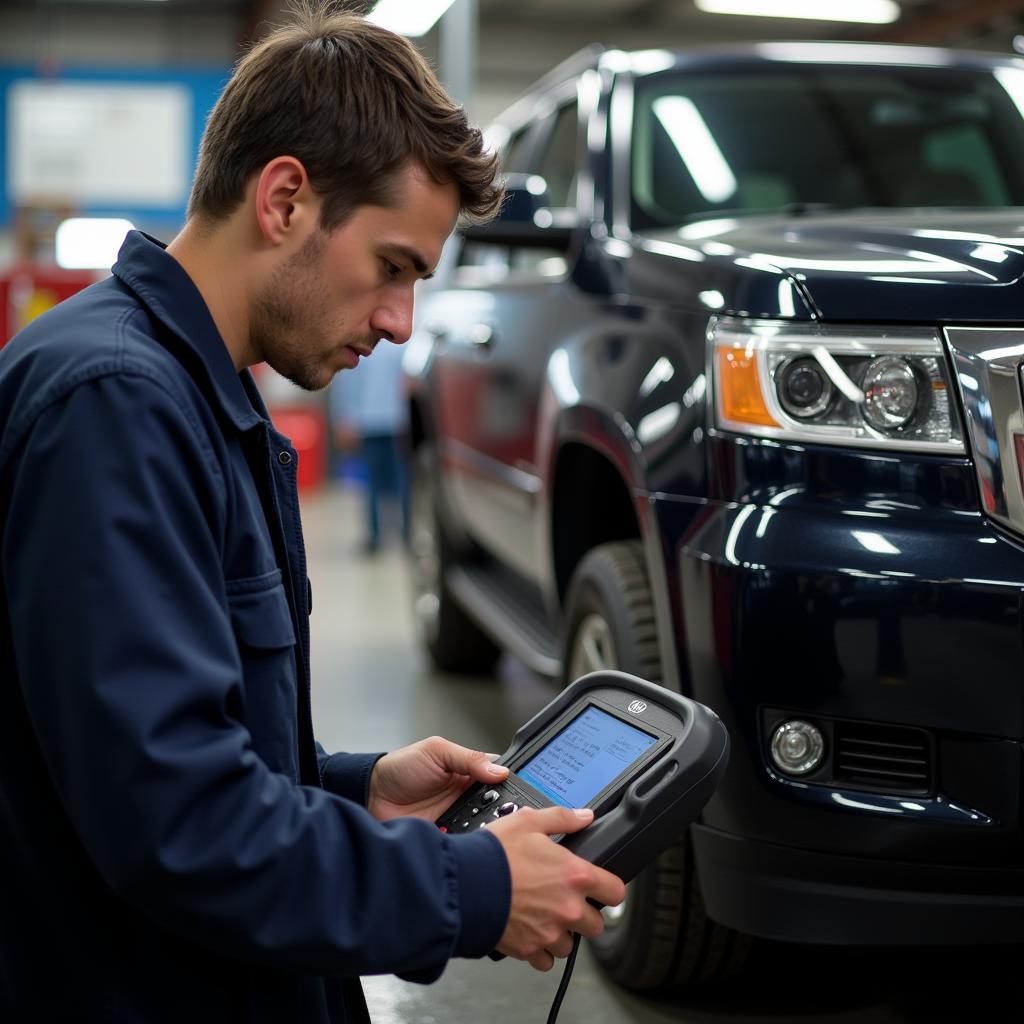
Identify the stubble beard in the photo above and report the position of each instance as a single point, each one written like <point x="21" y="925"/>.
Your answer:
<point x="289" y="319"/>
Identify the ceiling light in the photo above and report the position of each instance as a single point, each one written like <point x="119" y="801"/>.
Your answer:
<point x="873" y="12"/>
<point x="408" y="17"/>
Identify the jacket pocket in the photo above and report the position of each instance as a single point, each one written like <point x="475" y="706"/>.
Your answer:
<point x="262" y="623"/>
<point x="262" y="619"/>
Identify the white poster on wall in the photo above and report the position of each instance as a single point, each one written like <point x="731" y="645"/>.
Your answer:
<point x="99" y="144"/>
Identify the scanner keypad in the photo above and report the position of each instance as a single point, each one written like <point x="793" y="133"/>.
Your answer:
<point x="483" y="804"/>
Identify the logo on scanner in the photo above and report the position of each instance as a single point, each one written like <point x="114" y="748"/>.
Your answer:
<point x="637" y="707"/>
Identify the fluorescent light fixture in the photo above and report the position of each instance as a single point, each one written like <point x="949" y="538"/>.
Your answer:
<point x="697" y="147"/>
<point x="856" y="53"/>
<point x="408" y="17"/>
<point x="647" y="62"/>
<point x="88" y="243"/>
<point x="872" y="12"/>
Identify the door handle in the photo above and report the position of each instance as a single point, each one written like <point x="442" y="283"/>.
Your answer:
<point x="481" y="336"/>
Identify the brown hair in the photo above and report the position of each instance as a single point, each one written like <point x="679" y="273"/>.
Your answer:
<point x="355" y="104"/>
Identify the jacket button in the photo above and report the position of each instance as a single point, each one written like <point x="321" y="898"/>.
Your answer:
<point x="284" y="458"/>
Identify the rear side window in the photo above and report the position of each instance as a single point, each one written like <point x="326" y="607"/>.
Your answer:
<point x="516" y="153"/>
<point x="558" y="163"/>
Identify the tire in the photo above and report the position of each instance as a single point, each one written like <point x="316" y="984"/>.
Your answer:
<point x="453" y="640"/>
<point x="661" y="937"/>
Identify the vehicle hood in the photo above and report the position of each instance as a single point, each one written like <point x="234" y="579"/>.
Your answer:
<point x="951" y="266"/>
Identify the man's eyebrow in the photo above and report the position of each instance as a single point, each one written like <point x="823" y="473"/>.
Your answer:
<point x="413" y="257"/>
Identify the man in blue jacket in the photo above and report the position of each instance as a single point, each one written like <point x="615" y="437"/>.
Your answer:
<point x="174" y="845"/>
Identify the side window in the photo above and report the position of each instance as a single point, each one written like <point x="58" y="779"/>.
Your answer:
<point x="481" y="265"/>
<point x="513" y="159"/>
<point x="558" y="163"/>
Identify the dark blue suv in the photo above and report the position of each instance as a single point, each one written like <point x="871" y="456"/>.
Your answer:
<point x="730" y="397"/>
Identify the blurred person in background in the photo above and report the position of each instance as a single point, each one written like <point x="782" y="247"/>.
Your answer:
<point x="368" y="417"/>
<point x="174" y="845"/>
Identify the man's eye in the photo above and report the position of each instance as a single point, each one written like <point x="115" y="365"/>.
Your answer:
<point x="391" y="269"/>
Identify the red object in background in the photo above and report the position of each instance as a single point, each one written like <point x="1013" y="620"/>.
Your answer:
<point x="302" y="417"/>
<point x="28" y="289"/>
<point x="306" y="426"/>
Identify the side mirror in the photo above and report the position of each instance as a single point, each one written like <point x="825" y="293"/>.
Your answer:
<point x="527" y="217"/>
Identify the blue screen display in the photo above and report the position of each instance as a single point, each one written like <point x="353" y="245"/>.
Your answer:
<point x="591" y="751"/>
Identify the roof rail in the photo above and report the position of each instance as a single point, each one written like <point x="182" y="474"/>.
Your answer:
<point x="579" y="62"/>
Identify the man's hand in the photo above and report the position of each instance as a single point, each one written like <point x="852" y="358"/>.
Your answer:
<point x="550" y="886"/>
<point x="421" y="780"/>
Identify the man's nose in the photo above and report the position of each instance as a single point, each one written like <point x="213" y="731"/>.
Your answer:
<point x="394" y="322"/>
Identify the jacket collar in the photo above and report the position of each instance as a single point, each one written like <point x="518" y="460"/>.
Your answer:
<point x="162" y="284"/>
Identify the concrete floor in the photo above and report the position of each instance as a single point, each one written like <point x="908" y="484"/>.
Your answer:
<point x="373" y="690"/>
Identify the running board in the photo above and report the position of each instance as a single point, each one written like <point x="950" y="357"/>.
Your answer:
<point x="507" y="616"/>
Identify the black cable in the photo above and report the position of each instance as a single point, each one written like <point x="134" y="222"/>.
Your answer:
<point x="566" y="975"/>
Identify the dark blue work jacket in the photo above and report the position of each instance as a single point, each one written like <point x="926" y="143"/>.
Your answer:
<point x="173" y="844"/>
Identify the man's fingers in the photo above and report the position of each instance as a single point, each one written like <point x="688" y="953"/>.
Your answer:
<point x="555" y="820"/>
<point x="562" y="948"/>
<point x="542" y="960"/>
<point x="607" y="889"/>
<point x="474" y="763"/>
<point x="591" y="924"/>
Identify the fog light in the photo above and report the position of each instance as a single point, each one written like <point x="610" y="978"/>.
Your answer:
<point x="797" y="747"/>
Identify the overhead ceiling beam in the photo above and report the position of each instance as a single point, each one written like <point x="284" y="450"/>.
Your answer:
<point x="940" y="25"/>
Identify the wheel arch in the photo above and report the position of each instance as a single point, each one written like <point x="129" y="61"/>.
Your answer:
<point x="597" y="496"/>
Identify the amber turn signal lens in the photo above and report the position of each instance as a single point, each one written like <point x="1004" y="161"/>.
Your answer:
<point x="739" y="388"/>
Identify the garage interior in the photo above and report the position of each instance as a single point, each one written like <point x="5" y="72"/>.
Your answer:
<point x="373" y="686"/>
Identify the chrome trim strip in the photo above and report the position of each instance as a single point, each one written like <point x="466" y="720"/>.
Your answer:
<point x="987" y="364"/>
<point x="621" y="132"/>
<point x="477" y="463"/>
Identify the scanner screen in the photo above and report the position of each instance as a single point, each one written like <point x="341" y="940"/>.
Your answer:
<point x="589" y="753"/>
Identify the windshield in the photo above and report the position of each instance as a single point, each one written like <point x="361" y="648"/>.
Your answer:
<point x="758" y="141"/>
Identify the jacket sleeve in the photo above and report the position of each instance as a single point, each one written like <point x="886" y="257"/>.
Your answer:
<point x="132" y="679"/>
<point x="347" y="775"/>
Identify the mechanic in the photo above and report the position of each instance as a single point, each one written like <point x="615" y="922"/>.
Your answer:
<point x="174" y="845"/>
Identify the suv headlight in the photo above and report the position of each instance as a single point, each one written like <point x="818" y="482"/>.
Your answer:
<point x="868" y="387"/>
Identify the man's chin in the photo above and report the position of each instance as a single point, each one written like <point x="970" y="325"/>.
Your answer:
<point x="309" y="378"/>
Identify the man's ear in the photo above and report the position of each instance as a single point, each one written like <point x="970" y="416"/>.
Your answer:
<point x="284" y="199"/>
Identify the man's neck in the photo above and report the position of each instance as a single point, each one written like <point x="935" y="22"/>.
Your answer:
<point x="216" y="266"/>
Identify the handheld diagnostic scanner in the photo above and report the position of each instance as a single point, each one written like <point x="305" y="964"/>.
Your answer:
<point x="646" y="760"/>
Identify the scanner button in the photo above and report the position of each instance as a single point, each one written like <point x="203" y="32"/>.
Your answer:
<point x="507" y="808"/>
<point x="490" y="796"/>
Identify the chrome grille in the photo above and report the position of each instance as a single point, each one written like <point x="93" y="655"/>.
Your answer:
<point x="987" y="364"/>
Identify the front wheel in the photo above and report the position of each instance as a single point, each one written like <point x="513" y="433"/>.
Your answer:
<point x="660" y="936"/>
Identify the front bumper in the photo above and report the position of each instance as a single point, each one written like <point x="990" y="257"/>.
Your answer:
<point x="793" y="895"/>
<point x="851" y="611"/>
